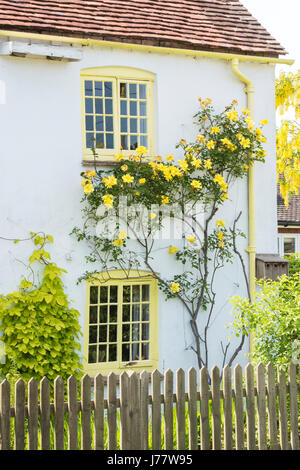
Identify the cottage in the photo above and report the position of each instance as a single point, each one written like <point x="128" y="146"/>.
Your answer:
<point x="110" y="74"/>
<point x="288" y="225"/>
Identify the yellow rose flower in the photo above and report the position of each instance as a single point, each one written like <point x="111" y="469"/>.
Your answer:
<point x="88" y="188"/>
<point x="108" y="200"/>
<point x="110" y="181"/>
<point x="164" y="200"/>
<point x="183" y="165"/>
<point x="215" y="130"/>
<point x="118" y="242"/>
<point x="250" y="123"/>
<point x="141" y="150"/>
<point x="220" y="235"/>
<point x="127" y="178"/>
<point x="207" y="164"/>
<point x="232" y="115"/>
<point x="245" y="111"/>
<point x="191" y="239"/>
<point x="152" y="215"/>
<point x="211" y="144"/>
<point x="196" y="162"/>
<point x="119" y="157"/>
<point x="169" y="158"/>
<point x="122" y="235"/>
<point x="201" y="138"/>
<point x="173" y="250"/>
<point x="124" y="167"/>
<point x="175" y="287"/>
<point x="224" y="196"/>
<point x="89" y="174"/>
<point x="196" y="184"/>
<point x="220" y="223"/>
<point x="182" y="142"/>
<point x="264" y="122"/>
<point x="221" y="244"/>
<point x="142" y="181"/>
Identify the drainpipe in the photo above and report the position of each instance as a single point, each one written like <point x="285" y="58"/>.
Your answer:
<point x="249" y="90"/>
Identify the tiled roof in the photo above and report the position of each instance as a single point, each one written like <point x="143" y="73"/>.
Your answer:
<point x="290" y="215"/>
<point x="217" y="25"/>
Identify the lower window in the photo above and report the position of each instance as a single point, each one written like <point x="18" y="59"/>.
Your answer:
<point x="121" y="324"/>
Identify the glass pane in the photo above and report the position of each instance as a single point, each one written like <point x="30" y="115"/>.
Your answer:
<point x="145" y="331"/>
<point x="136" y="312"/>
<point x="113" y="293"/>
<point x="124" y="126"/>
<point x="93" y="294"/>
<point x="133" y="91"/>
<point x="133" y="125"/>
<point x="123" y="108"/>
<point x="108" y="89"/>
<point x="102" y="353"/>
<point x="109" y="141"/>
<point x="142" y="92"/>
<point x="135" y="332"/>
<point x="100" y="141"/>
<point x="89" y="106"/>
<point x="93" y="334"/>
<point x="98" y="88"/>
<point x="109" y="125"/>
<point x="99" y="106"/>
<point x="103" y="334"/>
<point x="126" y="293"/>
<point x="92" y="354"/>
<point x="125" y="333"/>
<point x="136" y="293"/>
<point x="112" y="352"/>
<point x="125" y="352"/>
<point x="145" y="351"/>
<point x="108" y="107"/>
<point x="90" y="139"/>
<point x="143" y="108"/>
<point x="88" y="88"/>
<point x="99" y="123"/>
<point x="145" y="312"/>
<point x="126" y="313"/>
<point x="133" y="108"/>
<point x="103" y="314"/>
<point x="133" y="142"/>
<point x="144" y="141"/>
<point x="103" y="294"/>
<point x="143" y="126"/>
<point x="89" y="123"/>
<point x="113" y="333"/>
<point x="289" y="245"/>
<point x="93" y="314"/>
<point x="124" y="142"/>
<point x="113" y="309"/>
<point x="123" y="90"/>
<point x="135" y="352"/>
<point x="145" y="293"/>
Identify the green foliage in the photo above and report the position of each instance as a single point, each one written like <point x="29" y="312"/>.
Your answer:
<point x="39" y="326"/>
<point x="274" y="317"/>
<point x="294" y="266"/>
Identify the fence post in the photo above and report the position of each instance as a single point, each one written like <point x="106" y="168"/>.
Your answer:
<point x="45" y="413"/>
<point x="99" y="412"/>
<point x="239" y="408"/>
<point x="144" y="406"/>
<point x="86" y="412"/>
<point x="134" y="406"/>
<point x="111" y="412"/>
<point x="124" y="412"/>
<point x="168" y="409"/>
<point x="283" y="430"/>
<point x="180" y="409"/>
<point x="156" y="411"/>
<point x="204" y="409"/>
<point x="192" y="397"/>
<point x="32" y="414"/>
<point x="227" y="390"/>
<point x="261" y="407"/>
<point x="5" y="414"/>
<point x="73" y="413"/>
<point x="272" y="415"/>
<point x="216" y="413"/>
<point x="59" y="413"/>
<point x="293" y="406"/>
<point x="20" y="415"/>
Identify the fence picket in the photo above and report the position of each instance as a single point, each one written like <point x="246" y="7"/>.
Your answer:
<point x="180" y="409"/>
<point x="144" y="410"/>
<point x="204" y="409"/>
<point x="283" y="430"/>
<point x="32" y="414"/>
<point x="227" y="391"/>
<point x="192" y="400"/>
<point x="250" y="407"/>
<point x="112" y="412"/>
<point x="45" y="413"/>
<point x="272" y="415"/>
<point x="86" y="412"/>
<point x="99" y="412"/>
<point x="293" y="406"/>
<point x="72" y="413"/>
<point x="156" y="410"/>
<point x="168" y="410"/>
<point x="239" y="408"/>
<point x="261" y="407"/>
<point x="216" y="410"/>
<point x="20" y="415"/>
<point x="124" y="411"/>
<point x="59" y="413"/>
<point x="134" y="406"/>
<point x="5" y="414"/>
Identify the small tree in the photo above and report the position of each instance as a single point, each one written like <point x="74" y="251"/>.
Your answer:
<point x="275" y="319"/>
<point x="39" y="326"/>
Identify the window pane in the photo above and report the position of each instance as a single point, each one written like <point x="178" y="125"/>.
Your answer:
<point x="109" y="126"/>
<point x="123" y="90"/>
<point x="145" y="312"/>
<point x="99" y="106"/>
<point x="133" y="91"/>
<point x="98" y="88"/>
<point x="142" y="92"/>
<point x="126" y="313"/>
<point x="89" y="107"/>
<point x="126" y="293"/>
<point x="103" y="314"/>
<point x="89" y="123"/>
<point x="92" y="354"/>
<point x="93" y="334"/>
<point x="124" y="142"/>
<point x="126" y="333"/>
<point x="144" y="141"/>
<point x="100" y="141"/>
<point x="112" y="352"/>
<point x="108" y="107"/>
<point x="90" y="140"/>
<point x="125" y="352"/>
<point x="123" y="108"/>
<point x="133" y="142"/>
<point x="88" y="88"/>
<point x="124" y="126"/>
<point x="108" y="89"/>
<point x="93" y="314"/>
<point x="143" y="126"/>
<point x="102" y="353"/>
<point x="113" y="309"/>
<point x="289" y="245"/>
<point x="99" y="123"/>
<point x="136" y="312"/>
<point x="135" y="352"/>
<point x="103" y="334"/>
<point x="145" y="331"/>
<point x="109" y="141"/>
<point x="143" y="108"/>
<point x="133" y="125"/>
<point x="133" y="108"/>
<point x="113" y="333"/>
<point x="113" y="293"/>
<point x="145" y="293"/>
<point x="136" y="293"/>
<point x="145" y="351"/>
<point x="103" y="294"/>
<point x="93" y="294"/>
<point x="135" y="332"/>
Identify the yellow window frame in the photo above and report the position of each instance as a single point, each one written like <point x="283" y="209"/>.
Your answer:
<point x="117" y="278"/>
<point x="116" y="75"/>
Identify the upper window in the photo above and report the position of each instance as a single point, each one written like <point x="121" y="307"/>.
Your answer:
<point x="121" y="324"/>
<point x="117" y="111"/>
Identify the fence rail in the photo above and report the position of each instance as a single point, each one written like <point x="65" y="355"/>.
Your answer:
<point x="197" y="410"/>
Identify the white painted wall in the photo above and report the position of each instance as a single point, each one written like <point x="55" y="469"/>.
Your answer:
<point x="40" y="154"/>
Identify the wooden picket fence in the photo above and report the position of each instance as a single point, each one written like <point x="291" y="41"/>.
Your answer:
<point x="257" y="410"/>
